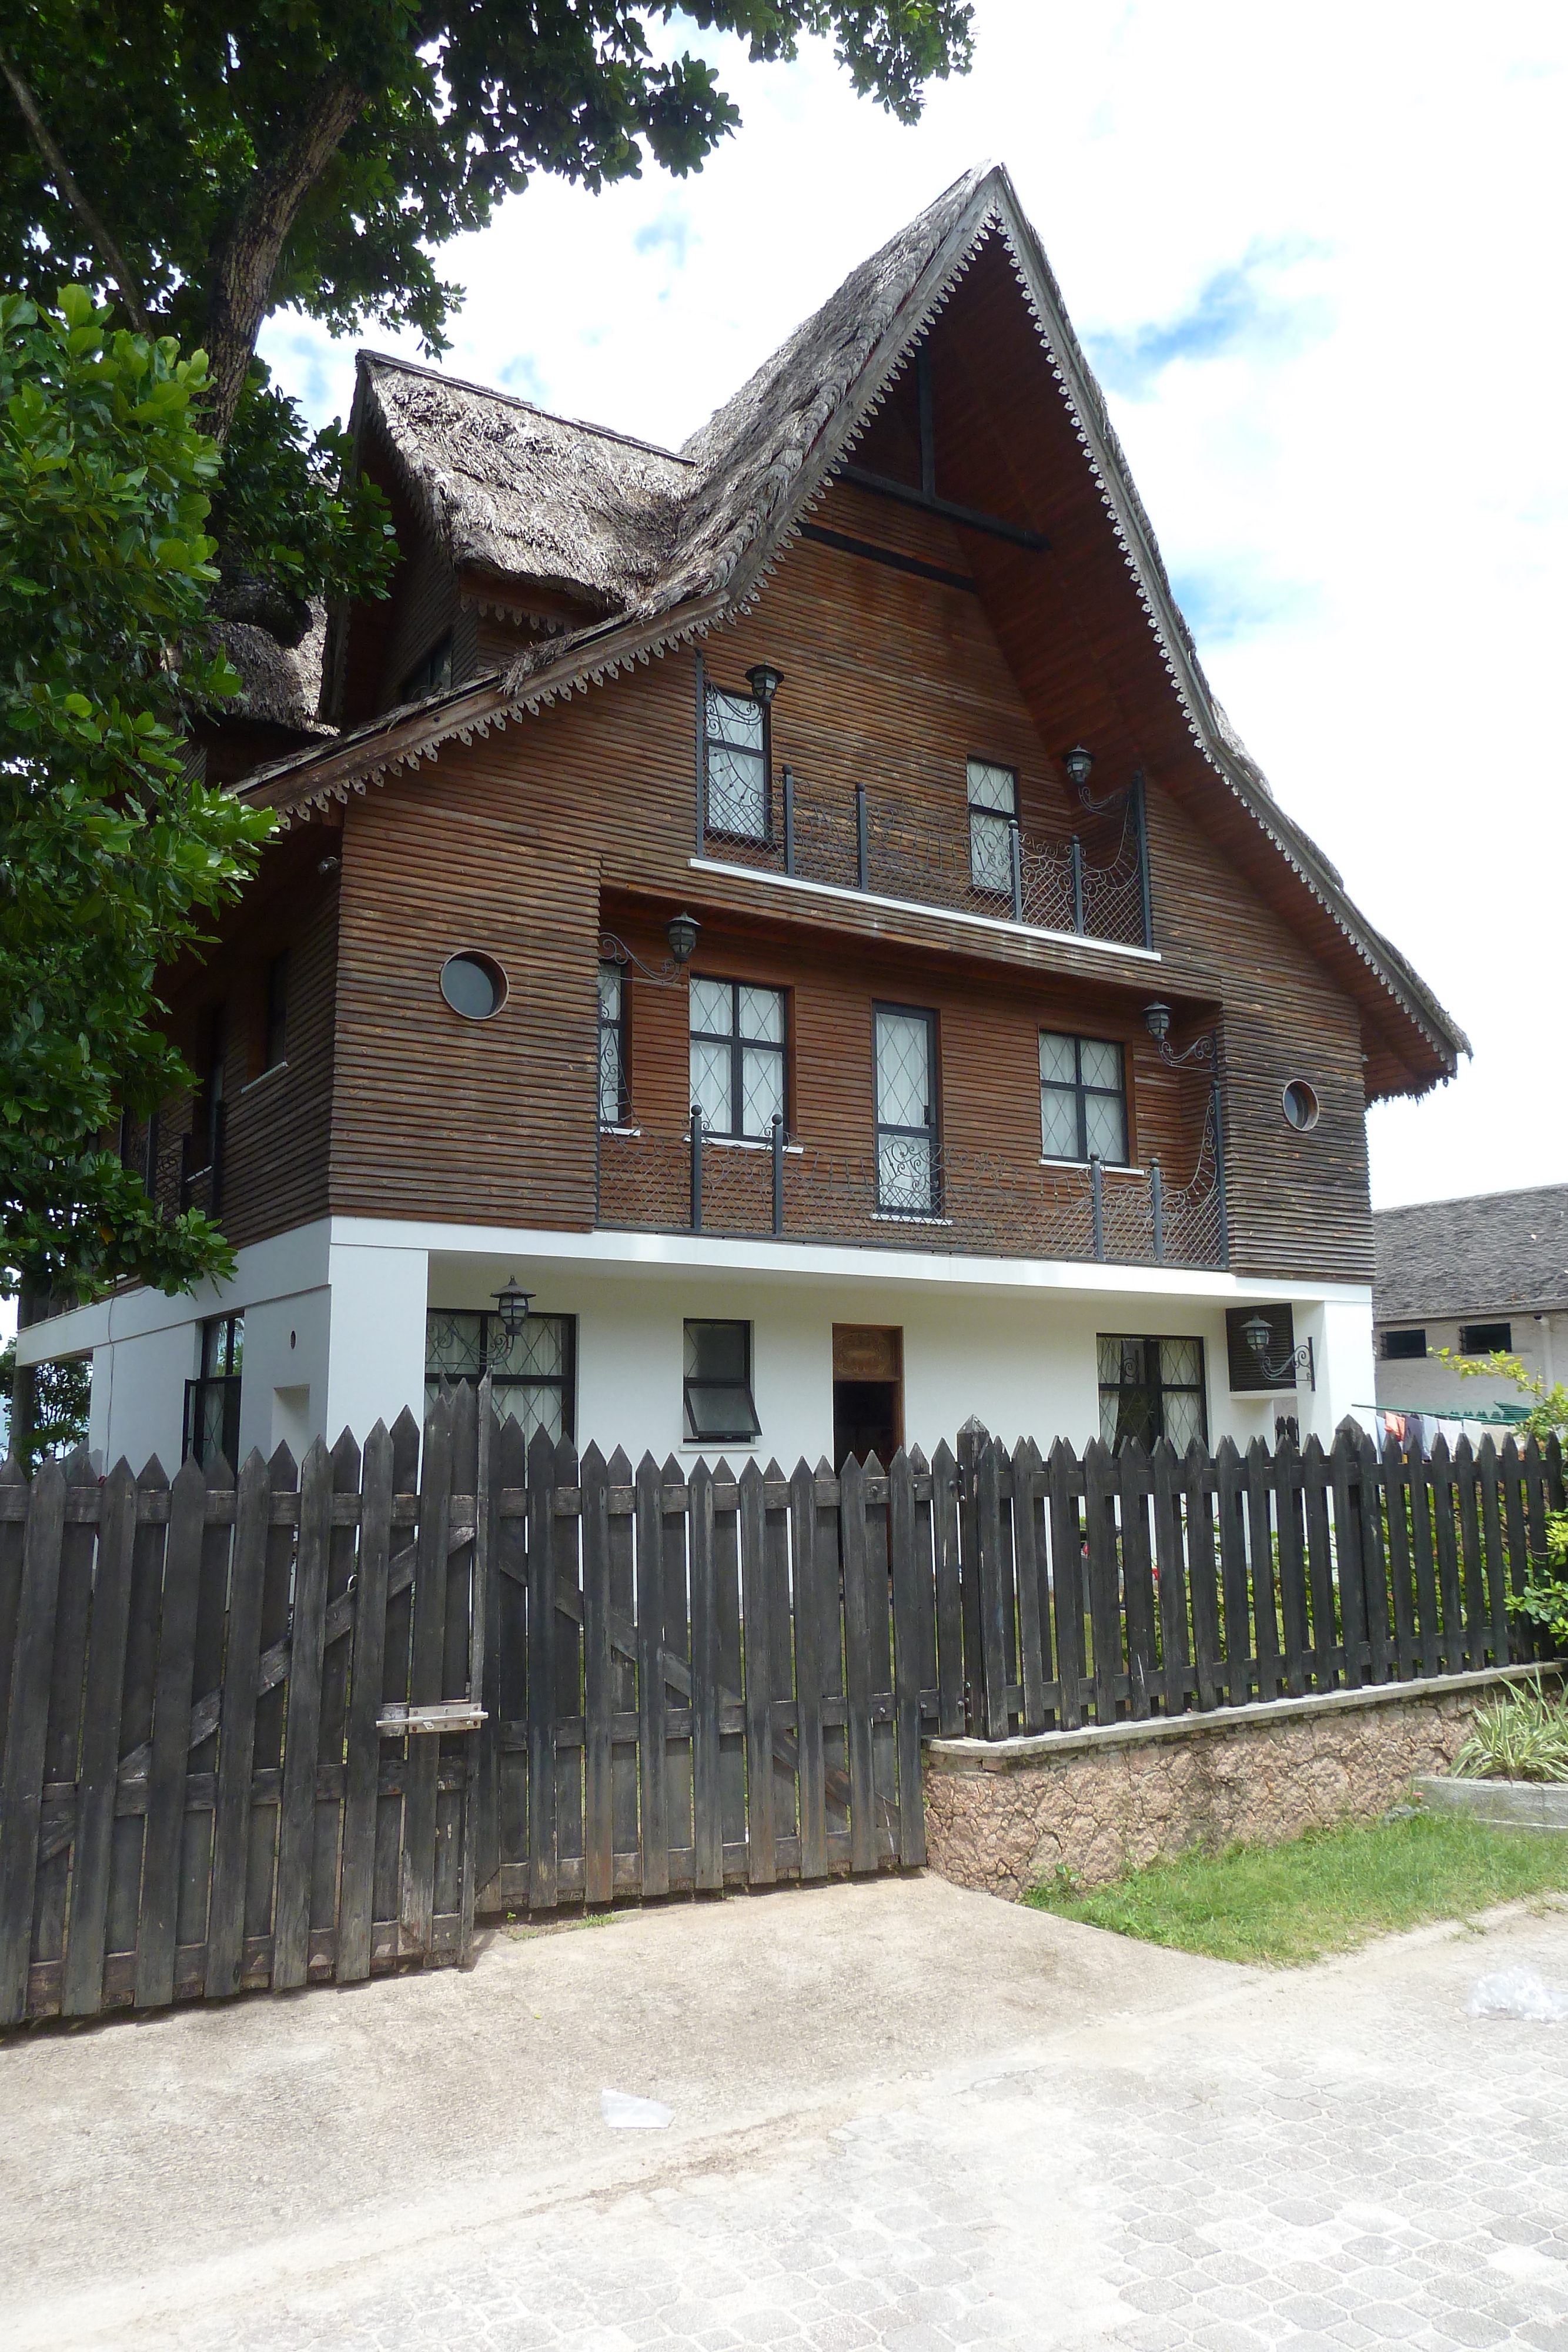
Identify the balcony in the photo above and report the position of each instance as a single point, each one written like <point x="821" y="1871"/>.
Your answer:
<point x="1089" y="883"/>
<point x="938" y="1199"/>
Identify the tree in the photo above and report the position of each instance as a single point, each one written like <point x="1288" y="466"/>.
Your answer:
<point x="1543" y="1600"/>
<point x="210" y="162"/>
<point x="57" y="1416"/>
<point x="112" y="857"/>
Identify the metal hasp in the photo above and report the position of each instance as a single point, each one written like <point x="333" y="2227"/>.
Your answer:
<point x="437" y="1715"/>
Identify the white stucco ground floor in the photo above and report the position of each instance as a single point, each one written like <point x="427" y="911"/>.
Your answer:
<point x="344" y="1320"/>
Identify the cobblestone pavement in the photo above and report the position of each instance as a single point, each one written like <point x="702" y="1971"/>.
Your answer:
<point x="1340" y="2157"/>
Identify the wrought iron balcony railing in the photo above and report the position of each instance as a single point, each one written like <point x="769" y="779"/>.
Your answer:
<point x="1094" y="882"/>
<point x="919" y="1197"/>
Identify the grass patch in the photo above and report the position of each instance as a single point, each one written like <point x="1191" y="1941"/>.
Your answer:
<point x="1285" y="1905"/>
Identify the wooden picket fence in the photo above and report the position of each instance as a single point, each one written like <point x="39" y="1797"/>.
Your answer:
<point x="306" y="1725"/>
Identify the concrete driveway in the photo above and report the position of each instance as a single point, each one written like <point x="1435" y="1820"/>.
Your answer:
<point x="904" y="2116"/>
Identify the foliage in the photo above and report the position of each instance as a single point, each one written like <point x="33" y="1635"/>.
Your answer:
<point x="1523" y="1736"/>
<point x="1286" y="1906"/>
<point x="61" y="1396"/>
<point x="292" y="518"/>
<point x="112" y="858"/>
<point x="1543" y="1602"/>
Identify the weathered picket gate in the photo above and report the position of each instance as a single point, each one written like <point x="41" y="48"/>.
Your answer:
<point x="307" y="1726"/>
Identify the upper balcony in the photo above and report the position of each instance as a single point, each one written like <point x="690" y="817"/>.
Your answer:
<point x="1084" y="879"/>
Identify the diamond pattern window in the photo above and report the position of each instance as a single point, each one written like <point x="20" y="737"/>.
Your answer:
<point x="906" y="1166"/>
<point x="1082" y="1099"/>
<point x="993" y="808"/>
<point x="1151" y="1389"/>
<point x="532" y="1375"/>
<point x="719" y="1408"/>
<point x="614" y="1094"/>
<point x="738" y="1037"/>
<point x="735" y="764"/>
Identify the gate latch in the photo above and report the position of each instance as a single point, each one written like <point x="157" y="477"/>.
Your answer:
<point x="436" y="1715"/>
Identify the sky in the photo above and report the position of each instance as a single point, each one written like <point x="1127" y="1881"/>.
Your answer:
<point x="1317" y="259"/>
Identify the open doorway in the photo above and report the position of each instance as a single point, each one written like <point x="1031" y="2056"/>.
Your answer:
<point x="867" y="1392"/>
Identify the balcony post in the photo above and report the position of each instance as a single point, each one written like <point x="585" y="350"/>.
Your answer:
<point x="1097" y="1201"/>
<point x="789" y="820"/>
<point x="1015" y="860"/>
<point x="777" y="1175"/>
<point x="697" y="1167"/>
<point x="1157" y="1209"/>
<point x="1077" y="886"/>
<point x="861" y="862"/>
<point x="1141" y="819"/>
<point x="1219" y="1158"/>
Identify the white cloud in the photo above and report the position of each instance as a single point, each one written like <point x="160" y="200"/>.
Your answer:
<point x="1324" y="254"/>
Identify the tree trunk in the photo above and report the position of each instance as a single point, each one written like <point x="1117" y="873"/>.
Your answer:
<point x="242" y="281"/>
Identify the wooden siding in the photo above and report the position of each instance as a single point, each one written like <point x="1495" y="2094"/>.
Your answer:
<point x="277" y="1124"/>
<point x="893" y="678"/>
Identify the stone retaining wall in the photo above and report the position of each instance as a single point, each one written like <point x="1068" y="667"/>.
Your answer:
<point x="1004" y="1816"/>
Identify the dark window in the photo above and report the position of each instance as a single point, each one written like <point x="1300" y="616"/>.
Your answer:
<point x="907" y="1177"/>
<point x="737" y="1056"/>
<point x="473" y="985"/>
<point x="1083" y="1098"/>
<point x="1300" y="1104"/>
<point x="430" y="675"/>
<point x="1260" y="1345"/>
<point x="735" y="764"/>
<point x="1399" y="1347"/>
<point x="532" y="1375"/>
<point x="993" y="808"/>
<point x="614" y="1094"/>
<point x="1152" y="1388"/>
<point x="718" y="1402"/>
<point x="210" y="1102"/>
<point x="212" y="1400"/>
<point x="274" y="1046"/>
<point x="1486" y="1339"/>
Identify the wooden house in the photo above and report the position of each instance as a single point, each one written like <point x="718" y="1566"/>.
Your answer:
<point x="793" y="908"/>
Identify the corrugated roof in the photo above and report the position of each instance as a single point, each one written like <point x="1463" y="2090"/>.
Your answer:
<point x="1489" y="1254"/>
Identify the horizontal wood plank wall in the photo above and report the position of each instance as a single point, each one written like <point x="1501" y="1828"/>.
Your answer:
<point x="277" y="1124"/>
<point x="439" y="1117"/>
<point x="988" y="1046"/>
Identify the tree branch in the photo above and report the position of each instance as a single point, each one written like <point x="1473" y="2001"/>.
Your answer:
<point x="241" y="280"/>
<point x="60" y="171"/>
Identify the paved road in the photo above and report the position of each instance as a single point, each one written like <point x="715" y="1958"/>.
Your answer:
<point x="904" y="2116"/>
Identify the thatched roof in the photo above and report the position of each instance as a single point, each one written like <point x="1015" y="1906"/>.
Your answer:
<point x="282" y="684"/>
<point x="506" y="489"/>
<point x="669" y="545"/>
<point x="1491" y="1254"/>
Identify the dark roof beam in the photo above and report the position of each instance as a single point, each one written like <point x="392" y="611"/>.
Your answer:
<point x="966" y="516"/>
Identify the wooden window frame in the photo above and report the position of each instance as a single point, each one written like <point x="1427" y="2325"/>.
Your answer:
<point x="738" y="1048"/>
<point x="689" y="1380"/>
<point x="564" y="1381"/>
<point x="1081" y="1091"/>
<point x="931" y="1132"/>
<point x="1157" y="1388"/>
<point x="621" y="1030"/>
<point x="707" y="687"/>
<point x="1002" y="767"/>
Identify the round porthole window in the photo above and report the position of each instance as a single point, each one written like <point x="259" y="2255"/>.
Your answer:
<point x="1300" y="1105"/>
<point x="473" y="985"/>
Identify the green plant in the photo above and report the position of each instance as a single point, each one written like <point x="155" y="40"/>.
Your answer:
<point x="61" y="1394"/>
<point x="1523" y="1736"/>
<point x="1285" y="1905"/>
<point x="1543" y="1601"/>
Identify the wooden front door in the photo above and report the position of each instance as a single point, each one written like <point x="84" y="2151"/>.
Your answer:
<point x="867" y="1392"/>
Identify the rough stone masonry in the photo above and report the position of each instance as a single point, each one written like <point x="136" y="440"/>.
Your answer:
<point x="1003" y="1816"/>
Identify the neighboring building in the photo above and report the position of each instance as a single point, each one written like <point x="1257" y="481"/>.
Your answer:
<point x="1029" y="1087"/>
<point x="1477" y="1277"/>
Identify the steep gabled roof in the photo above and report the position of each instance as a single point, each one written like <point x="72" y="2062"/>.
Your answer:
<point x="704" y="528"/>
<point x="506" y="489"/>
<point x="1491" y="1254"/>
